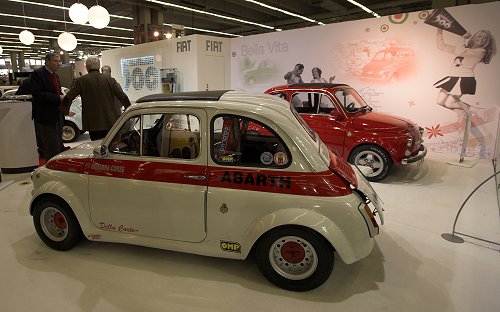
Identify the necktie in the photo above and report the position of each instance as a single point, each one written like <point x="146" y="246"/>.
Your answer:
<point x="53" y="78"/>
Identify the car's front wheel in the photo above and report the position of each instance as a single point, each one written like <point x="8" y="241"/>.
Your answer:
<point x="294" y="258"/>
<point x="56" y="224"/>
<point x="70" y="132"/>
<point x="374" y="157"/>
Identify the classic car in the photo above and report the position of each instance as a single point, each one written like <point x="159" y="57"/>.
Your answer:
<point x="390" y="65"/>
<point x="282" y="195"/>
<point x="72" y="127"/>
<point x="346" y="124"/>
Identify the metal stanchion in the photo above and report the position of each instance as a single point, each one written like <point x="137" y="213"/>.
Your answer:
<point x="451" y="237"/>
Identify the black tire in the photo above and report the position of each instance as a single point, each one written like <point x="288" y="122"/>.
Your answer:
<point x="295" y="258"/>
<point x="372" y="156"/>
<point x="70" y="132"/>
<point x="56" y="224"/>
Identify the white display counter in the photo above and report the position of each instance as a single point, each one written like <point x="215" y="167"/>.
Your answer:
<point x="18" y="151"/>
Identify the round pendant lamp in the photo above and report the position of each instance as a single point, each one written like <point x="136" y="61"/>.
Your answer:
<point x="79" y="13"/>
<point x="26" y="37"/>
<point x="98" y="17"/>
<point x="67" y="41"/>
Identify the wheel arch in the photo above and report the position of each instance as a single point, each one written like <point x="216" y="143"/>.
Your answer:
<point x="63" y="195"/>
<point x="303" y="219"/>
<point x="389" y="152"/>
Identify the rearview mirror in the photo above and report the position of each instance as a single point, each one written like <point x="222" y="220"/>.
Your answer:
<point x="100" y="151"/>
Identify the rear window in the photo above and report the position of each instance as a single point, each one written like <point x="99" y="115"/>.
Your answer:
<point x="311" y="133"/>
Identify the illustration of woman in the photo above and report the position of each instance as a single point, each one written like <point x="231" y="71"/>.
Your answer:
<point x="316" y="72"/>
<point x="461" y="80"/>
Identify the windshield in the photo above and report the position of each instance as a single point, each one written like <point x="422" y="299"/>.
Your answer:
<point x="351" y="100"/>
<point x="311" y="133"/>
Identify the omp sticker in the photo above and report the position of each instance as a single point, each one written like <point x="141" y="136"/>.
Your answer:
<point x="230" y="246"/>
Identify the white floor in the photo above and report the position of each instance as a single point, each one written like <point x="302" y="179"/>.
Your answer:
<point x="412" y="268"/>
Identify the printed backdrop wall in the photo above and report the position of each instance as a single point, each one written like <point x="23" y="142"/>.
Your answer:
<point x="394" y="62"/>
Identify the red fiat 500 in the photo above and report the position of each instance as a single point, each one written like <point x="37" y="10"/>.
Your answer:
<point x="344" y="122"/>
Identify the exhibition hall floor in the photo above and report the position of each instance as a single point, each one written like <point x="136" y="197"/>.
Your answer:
<point x="412" y="268"/>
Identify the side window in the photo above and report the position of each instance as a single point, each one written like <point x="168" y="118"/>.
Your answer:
<point x="159" y="135"/>
<point x="240" y="141"/>
<point x="128" y="140"/>
<point x="325" y="105"/>
<point x="306" y="102"/>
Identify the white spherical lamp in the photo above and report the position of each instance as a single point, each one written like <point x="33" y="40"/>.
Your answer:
<point x="67" y="41"/>
<point x="79" y="13"/>
<point x="1" y="50"/>
<point x="26" y="37"/>
<point x="98" y="17"/>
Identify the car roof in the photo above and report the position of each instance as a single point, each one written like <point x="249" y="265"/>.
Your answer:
<point x="222" y="99"/>
<point x="310" y="86"/>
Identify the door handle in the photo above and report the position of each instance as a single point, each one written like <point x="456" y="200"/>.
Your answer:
<point x="195" y="177"/>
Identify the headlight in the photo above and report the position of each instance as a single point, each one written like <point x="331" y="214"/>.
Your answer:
<point x="409" y="141"/>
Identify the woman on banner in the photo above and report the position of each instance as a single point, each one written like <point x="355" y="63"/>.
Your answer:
<point x="461" y="80"/>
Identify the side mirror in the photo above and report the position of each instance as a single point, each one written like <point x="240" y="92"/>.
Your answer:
<point x="100" y="151"/>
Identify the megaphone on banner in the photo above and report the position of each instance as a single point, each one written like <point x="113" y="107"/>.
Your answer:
<point x="441" y="18"/>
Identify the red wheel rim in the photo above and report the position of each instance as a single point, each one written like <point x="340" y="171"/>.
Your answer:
<point x="292" y="252"/>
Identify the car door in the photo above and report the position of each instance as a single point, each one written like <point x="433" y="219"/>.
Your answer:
<point x="153" y="181"/>
<point x="323" y="117"/>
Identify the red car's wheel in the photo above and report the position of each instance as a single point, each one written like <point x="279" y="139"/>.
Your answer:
<point x="374" y="157"/>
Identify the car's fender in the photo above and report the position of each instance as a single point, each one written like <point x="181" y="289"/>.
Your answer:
<point x="309" y="219"/>
<point x="65" y="193"/>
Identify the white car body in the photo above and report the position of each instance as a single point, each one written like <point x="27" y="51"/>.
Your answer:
<point x="202" y="206"/>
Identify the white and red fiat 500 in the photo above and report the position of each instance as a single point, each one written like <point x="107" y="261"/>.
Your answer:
<point x="183" y="172"/>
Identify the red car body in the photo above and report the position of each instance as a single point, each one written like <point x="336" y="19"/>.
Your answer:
<point x="345" y="123"/>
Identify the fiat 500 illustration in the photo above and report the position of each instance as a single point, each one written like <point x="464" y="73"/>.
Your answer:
<point x="390" y="64"/>
<point x="183" y="172"/>
<point x="346" y="124"/>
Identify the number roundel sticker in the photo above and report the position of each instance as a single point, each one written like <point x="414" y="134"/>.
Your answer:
<point x="266" y="158"/>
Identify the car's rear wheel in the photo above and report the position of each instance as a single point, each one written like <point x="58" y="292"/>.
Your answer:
<point x="70" y="132"/>
<point x="295" y="258"/>
<point x="56" y="224"/>
<point x="374" y="157"/>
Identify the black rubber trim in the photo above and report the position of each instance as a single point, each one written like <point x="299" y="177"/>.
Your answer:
<point x="183" y="96"/>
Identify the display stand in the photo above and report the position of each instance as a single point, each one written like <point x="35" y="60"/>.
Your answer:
<point x="462" y="162"/>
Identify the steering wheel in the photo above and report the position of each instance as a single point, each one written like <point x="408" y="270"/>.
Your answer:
<point x="350" y="107"/>
<point x="134" y="143"/>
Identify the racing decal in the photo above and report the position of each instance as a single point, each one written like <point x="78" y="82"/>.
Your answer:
<point x="120" y="228"/>
<point x="230" y="246"/>
<point x="256" y="179"/>
<point x="223" y="208"/>
<point x="327" y="183"/>
<point x="94" y="236"/>
<point x="280" y="158"/>
<point x="266" y="158"/>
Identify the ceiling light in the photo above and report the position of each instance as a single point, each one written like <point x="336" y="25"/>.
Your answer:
<point x="79" y="13"/>
<point x="1" y="50"/>
<point x="98" y="17"/>
<point x="168" y="35"/>
<point x="156" y="33"/>
<point x="208" y="13"/>
<point x="209" y="31"/>
<point x="67" y="41"/>
<point x="26" y="37"/>
<point x="283" y="11"/>
<point x="364" y="8"/>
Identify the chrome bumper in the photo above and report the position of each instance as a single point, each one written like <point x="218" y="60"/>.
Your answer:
<point x="421" y="154"/>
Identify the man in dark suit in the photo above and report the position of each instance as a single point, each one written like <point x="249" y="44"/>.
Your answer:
<point x="46" y="101"/>
<point x="98" y="94"/>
